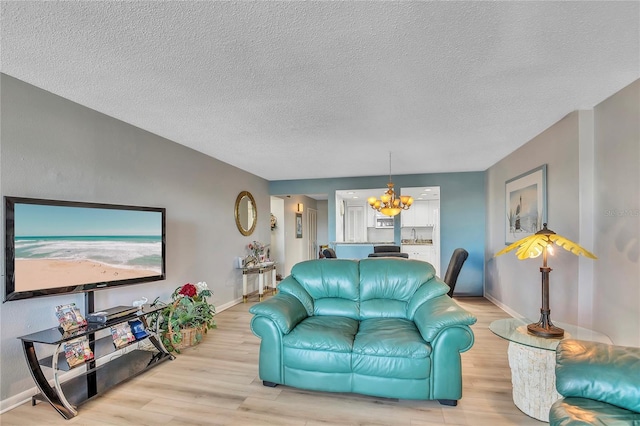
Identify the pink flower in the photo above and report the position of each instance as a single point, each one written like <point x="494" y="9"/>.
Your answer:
<point x="188" y="290"/>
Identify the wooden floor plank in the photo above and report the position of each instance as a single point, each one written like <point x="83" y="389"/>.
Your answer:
<point x="216" y="383"/>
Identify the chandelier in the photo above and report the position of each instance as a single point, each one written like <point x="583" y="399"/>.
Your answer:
<point x="389" y="204"/>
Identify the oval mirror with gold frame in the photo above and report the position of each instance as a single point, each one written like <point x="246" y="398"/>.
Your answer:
<point x="246" y="213"/>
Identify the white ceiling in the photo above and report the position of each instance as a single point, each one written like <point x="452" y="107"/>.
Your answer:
<point x="290" y="90"/>
<point x="418" y="193"/>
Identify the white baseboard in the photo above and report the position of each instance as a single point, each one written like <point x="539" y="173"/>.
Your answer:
<point x="19" y="399"/>
<point x="16" y="400"/>
<point x="228" y="305"/>
<point x="502" y="306"/>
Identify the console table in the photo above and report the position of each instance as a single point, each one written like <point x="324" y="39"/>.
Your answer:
<point x="533" y="361"/>
<point x="124" y="363"/>
<point x="259" y="269"/>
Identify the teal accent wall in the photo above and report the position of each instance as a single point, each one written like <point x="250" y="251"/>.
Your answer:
<point x="353" y="251"/>
<point x="462" y="213"/>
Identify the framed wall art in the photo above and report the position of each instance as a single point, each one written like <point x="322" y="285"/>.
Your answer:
<point x="526" y="204"/>
<point x="298" y="225"/>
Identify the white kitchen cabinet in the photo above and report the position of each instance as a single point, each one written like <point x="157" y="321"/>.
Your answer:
<point x="408" y="217"/>
<point x="371" y="216"/>
<point x="421" y="211"/>
<point x="416" y="215"/>
<point x="433" y="212"/>
<point x="424" y="252"/>
<point x="355" y="226"/>
<point x="421" y="214"/>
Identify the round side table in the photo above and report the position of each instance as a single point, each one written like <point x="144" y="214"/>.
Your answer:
<point x="533" y="361"/>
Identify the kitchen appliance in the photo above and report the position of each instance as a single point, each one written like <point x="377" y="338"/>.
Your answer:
<point x="384" y="222"/>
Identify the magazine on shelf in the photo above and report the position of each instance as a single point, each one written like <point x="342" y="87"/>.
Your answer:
<point x="78" y="351"/>
<point x="70" y="317"/>
<point x="122" y="335"/>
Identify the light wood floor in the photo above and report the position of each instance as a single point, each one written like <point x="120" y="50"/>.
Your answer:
<point x="216" y="383"/>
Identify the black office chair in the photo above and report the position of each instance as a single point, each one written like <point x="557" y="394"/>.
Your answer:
<point x="389" y="254"/>
<point x="386" y="249"/>
<point x="455" y="265"/>
<point x="329" y="253"/>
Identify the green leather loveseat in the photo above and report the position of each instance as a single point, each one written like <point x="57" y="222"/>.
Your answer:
<point x="381" y="326"/>
<point x="600" y="384"/>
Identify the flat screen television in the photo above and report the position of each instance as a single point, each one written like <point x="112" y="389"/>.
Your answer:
<point x="56" y="247"/>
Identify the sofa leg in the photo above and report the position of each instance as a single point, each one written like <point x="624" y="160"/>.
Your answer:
<point x="269" y="384"/>
<point x="449" y="402"/>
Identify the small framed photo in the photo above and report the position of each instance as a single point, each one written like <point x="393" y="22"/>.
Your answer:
<point x="526" y="204"/>
<point x="298" y="225"/>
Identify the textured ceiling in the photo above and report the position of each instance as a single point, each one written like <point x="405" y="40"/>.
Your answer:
<point x="290" y="90"/>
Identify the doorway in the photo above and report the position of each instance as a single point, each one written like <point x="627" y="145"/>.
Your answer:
<point x="277" y="248"/>
<point x="312" y="226"/>
<point x="420" y="232"/>
<point x="290" y="247"/>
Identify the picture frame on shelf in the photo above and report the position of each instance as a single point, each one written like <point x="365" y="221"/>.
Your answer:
<point x="77" y="352"/>
<point x="122" y="335"/>
<point x="70" y="317"/>
<point x="298" y="225"/>
<point x="525" y="204"/>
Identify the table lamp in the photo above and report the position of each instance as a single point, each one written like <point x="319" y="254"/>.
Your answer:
<point x="533" y="246"/>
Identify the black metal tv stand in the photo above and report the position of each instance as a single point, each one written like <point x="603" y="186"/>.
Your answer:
<point x="100" y="373"/>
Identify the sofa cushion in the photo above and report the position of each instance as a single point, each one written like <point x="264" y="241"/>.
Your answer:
<point x="390" y="347"/>
<point x="388" y="284"/>
<point x="390" y="337"/>
<point x="333" y="285"/>
<point x="321" y="343"/>
<point x="599" y="371"/>
<point x="583" y="411"/>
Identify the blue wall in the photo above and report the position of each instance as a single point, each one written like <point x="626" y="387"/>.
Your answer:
<point x="462" y="213"/>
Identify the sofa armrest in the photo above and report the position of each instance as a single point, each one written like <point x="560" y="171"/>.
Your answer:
<point x="291" y="286"/>
<point x="439" y="313"/>
<point x="598" y="371"/>
<point x="433" y="288"/>
<point x="283" y="309"/>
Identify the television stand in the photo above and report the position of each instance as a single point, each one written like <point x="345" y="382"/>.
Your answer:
<point x="100" y="373"/>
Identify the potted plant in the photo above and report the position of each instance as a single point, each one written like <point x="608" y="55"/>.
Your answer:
<point x="184" y="321"/>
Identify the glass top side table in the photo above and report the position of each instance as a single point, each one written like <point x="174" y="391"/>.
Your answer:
<point x="515" y="330"/>
<point x="533" y="362"/>
<point x="259" y="269"/>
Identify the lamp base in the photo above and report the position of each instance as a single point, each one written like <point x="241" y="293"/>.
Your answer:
<point x="550" y="331"/>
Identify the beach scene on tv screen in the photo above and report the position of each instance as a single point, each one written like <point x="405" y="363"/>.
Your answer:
<point x="59" y="246"/>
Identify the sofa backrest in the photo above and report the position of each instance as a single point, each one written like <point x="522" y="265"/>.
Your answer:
<point x="333" y="284"/>
<point x="387" y="285"/>
<point x="370" y="288"/>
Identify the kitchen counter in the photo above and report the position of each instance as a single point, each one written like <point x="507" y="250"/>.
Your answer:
<point x="375" y="243"/>
<point x="417" y="243"/>
<point x="357" y="250"/>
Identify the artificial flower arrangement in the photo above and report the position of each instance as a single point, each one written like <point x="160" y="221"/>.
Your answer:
<point x="256" y="252"/>
<point x="186" y="319"/>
